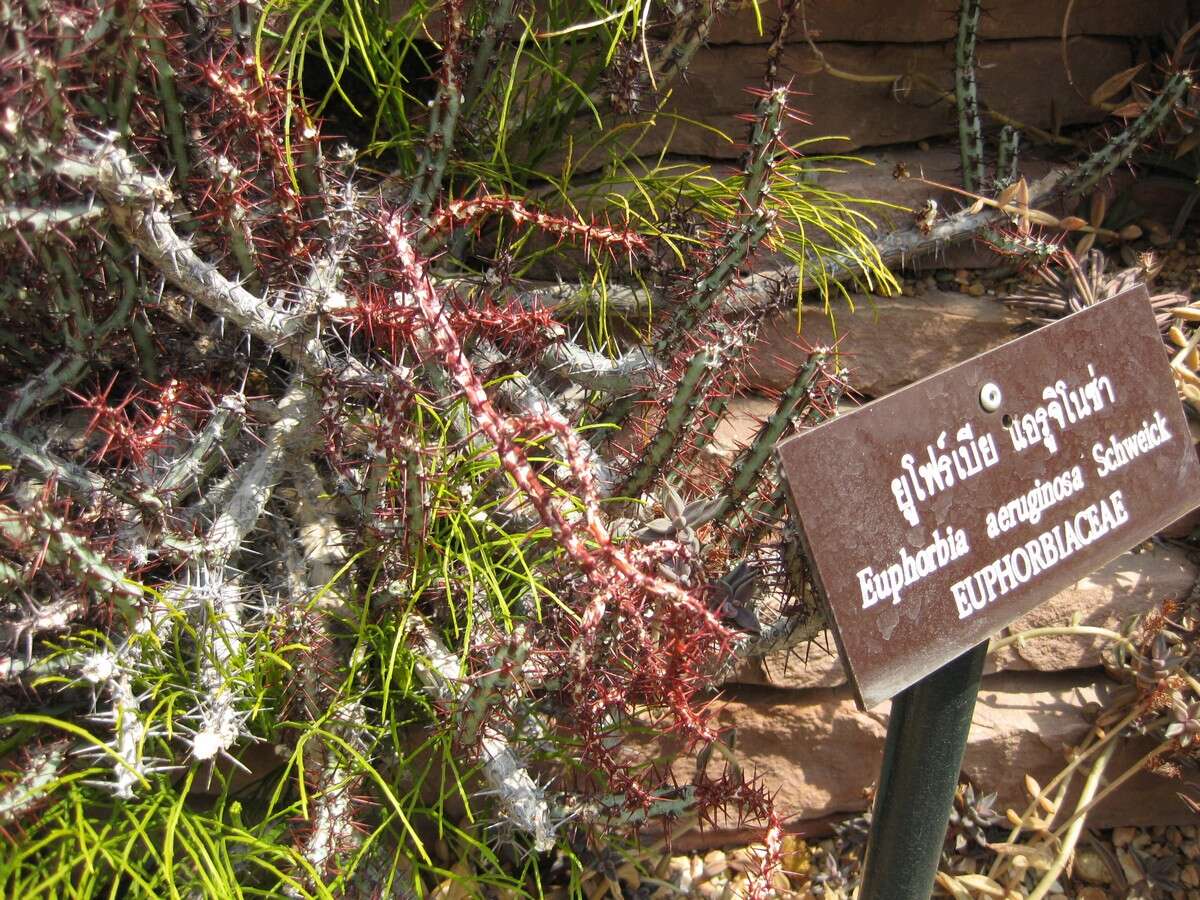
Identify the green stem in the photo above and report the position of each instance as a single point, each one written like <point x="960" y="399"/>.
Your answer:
<point x="747" y="468"/>
<point x="485" y="55"/>
<point x="970" y="130"/>
<point x="1006" y="158"/>
<point x="1123" y="145"/>
<point x="1067" y="846"/>
<point x="169" y="100"/>
<point x="1084" y="808"/>
<point x="688" y="394"/>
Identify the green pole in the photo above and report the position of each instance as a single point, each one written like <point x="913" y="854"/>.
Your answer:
<point x="927" y="734"/>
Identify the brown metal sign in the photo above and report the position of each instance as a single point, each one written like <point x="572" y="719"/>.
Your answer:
<point x="936" y="516"/>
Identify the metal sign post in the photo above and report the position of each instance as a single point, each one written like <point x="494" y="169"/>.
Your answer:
<point x="926" y="737"/>
<point x="962" y="502"/>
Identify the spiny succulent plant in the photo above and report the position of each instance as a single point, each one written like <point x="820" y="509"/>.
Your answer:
<point x="970" y="818"/>
<point x="317" y="541"/>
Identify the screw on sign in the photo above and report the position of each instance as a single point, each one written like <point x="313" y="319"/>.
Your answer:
<point x="962" y="502"/>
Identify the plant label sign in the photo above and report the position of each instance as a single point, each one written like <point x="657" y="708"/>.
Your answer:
<point x="936" y="516"/>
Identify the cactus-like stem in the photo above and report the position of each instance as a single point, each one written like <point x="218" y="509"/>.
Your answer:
<point x="804" y="620"/>
<point x="1030" y="247"/>
<point x="66" y="369"/>
<point x="109" y="671"/>
<point x="235" y="519"/>
<point x="136" y="204"/>
<point x="595" y="371"/>
<point x="766" y="135"/>
<point x="527" y="398"/>
<point x="708" y="290"/>
<point x="210" y="591"/>
<point x="321" y="290"/>
<point x="53" y="616"/>
<point x="757" y="222"/>
<point x="38" y="776"/>
<point x="65" y="547"/>
<point x="168" y="99"/>
<point x="416" y="502"/>
<point x="485" y="54"/>
<point x="686" y="404"/>
<point x="714" y="415"/>
<point x="321" y="539"/>
<point x="970" y="128"/>
<point x="688" y="393"/>
<point x="233" y="224"/>
<point x="748" y="467"/>
<point x="758" y="295"/>
<point x="443" y="120"/>
<point x="486" y="689"/>
<point x="750" y="521"/>
<point x="520" y="798"/>
<point x="186" y="471"/>
<point x="332" y="816"/>
<point x="1009" y="145"/>
<point x="215" y="602"/>
<point x="807" y="617"/>
<point x="333" y="832"/>
<point x="41" y="220"/>
<point x="81" y="483"/>
<point x="688" y="33"/>
<point x="779" y="38"/>
<point x="789" y="631"/>
<point x="1122" y="145"/>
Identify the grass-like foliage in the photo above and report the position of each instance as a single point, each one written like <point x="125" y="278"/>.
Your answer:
<point x="337" y="557"/>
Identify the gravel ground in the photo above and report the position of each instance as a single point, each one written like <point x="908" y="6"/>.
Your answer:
<point x="1118" y="864"/>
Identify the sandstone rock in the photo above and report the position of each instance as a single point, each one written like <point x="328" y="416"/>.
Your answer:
<point x="820" y="753"/>
<point x="1132" y="583"/>
<point x="816" y="665"/>
<point x="1025" y="79"/>
<point x="922" y="20"/>
<point x="886" y="342"/>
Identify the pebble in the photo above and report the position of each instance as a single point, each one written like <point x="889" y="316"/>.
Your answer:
<point x="1129" y="867"/>
<point x="715" y="862"/>
<point x="1122" y="837"/>
<point x="1190" y="875"/>
<point x="682" y="871"/>
<point x="1090" y="866"/>
<point x="722" y="874"/>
